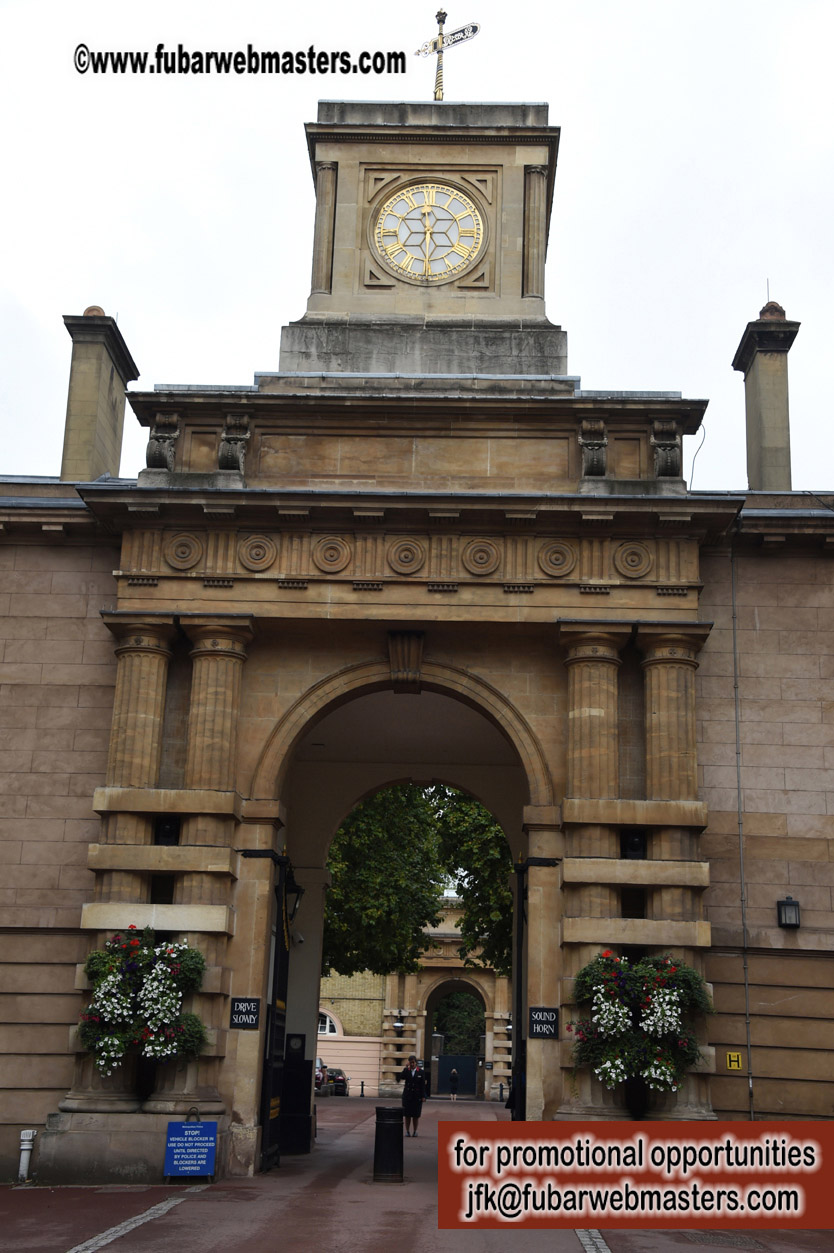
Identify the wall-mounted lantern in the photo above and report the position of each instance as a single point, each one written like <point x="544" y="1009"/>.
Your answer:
<point x="294" y="894"/>
<point x="787" y="912"/>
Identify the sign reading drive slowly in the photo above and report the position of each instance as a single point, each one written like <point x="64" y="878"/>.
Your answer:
<point x="246" y="1013"/>
<point x="544" y="1023"/>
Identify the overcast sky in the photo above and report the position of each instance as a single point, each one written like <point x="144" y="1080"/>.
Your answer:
<point x="696" y="163"/>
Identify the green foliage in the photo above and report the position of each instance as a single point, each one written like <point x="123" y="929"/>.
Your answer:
<point x="191" y="1038"/>
<point x="387" y="884"/>
<point x="188" y="971"/>
<point x="460" y="1019"/>
<point x="474" y="849"/>
<point x="389" y="862"/>
<point x="636" y="1028"/>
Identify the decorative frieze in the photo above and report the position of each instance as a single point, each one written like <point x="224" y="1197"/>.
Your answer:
<point x="593" y="563"/>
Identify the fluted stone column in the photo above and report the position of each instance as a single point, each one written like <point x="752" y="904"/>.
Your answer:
<point x="593" y="662"/>
<point x="218" y="654"/>
<point x="535" y="229"/>
<point x="669" y="665"/>
<point x="325" y="222"/>
<point x="143" y="652"/>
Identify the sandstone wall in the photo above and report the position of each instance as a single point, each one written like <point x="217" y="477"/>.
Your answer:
<point x="57" y="671"/>
<point x="786" y="731"/>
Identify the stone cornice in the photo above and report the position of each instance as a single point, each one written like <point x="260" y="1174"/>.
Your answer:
<point x="375" y="400"/>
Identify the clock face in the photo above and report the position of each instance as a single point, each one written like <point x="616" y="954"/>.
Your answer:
<point x="428" y="233"/>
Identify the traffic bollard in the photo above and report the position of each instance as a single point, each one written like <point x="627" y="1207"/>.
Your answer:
<point x="388" y="1145"/>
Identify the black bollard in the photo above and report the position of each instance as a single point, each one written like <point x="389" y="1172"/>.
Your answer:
<point x="501" y="1093"/>
<point x="362" y="1087"/>
<point x="388" y="1145"/>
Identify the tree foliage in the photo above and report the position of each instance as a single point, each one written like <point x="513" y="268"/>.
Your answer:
<point x="475" y="850"/>
<point x="459" y="1018"/>
<point x="389" y="862"/>
<point x="387" y="884"/>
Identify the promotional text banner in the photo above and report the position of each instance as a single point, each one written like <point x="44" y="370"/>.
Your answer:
<point x="648" y="1174"/>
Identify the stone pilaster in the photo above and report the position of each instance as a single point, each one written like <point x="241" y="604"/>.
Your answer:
<point x="326" y="172"/>
<point x="545" y="844"/>
<point x="535" y="230"/>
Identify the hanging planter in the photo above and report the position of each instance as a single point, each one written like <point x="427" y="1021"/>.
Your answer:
<point x="636" y="1033"/>
<point x="138" y="986"/>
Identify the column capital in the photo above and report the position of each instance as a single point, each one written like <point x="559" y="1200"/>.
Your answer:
<point x="135" y="633"/>
<point x="219" y="635"/>
<point x="672" y="643"/>
<point x="596" y="641"/>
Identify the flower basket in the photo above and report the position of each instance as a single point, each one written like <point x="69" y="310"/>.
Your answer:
<point x="636" y="1033"/>
<point x="138" y="987"/>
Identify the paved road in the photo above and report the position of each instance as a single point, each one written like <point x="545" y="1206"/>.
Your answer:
<point x="325" y="1202"/>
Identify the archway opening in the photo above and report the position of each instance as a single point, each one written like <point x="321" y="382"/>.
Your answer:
<point x="457" y="1023"/>
<point x="348" y="751"/>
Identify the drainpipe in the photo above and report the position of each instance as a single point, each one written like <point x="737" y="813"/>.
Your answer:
<point x="27" y="1143"/>
<point x="740" y="821"/>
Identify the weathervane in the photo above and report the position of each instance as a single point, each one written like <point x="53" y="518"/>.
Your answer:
<point x="440" y="42"/>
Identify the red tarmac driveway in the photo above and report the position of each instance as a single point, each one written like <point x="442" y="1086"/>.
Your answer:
<point x="326" y="1202"/>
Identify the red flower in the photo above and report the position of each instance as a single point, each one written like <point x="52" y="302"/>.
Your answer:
<point x="608" y="953"/>
<point x="132" y="927"/>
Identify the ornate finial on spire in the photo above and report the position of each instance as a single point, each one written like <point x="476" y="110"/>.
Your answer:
<point x="441" y="41"/>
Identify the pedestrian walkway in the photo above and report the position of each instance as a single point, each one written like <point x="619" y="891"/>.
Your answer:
<point x="326" y="1202"/>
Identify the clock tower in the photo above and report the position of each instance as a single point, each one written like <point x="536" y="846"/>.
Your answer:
<point x="430" y="239"/>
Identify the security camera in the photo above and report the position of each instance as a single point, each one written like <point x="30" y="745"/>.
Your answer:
<point x="297" y="937"/>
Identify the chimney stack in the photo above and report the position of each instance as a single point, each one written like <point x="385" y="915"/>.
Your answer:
<point x="762" y="355"/>
<point x="100" y="371"/>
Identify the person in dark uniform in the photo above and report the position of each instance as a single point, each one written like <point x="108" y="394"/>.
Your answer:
<point x="453" y="1086"/>
<point x="414" y="1090"/>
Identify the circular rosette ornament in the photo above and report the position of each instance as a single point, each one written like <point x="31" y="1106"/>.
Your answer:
<point x="481" y="556"/>
<point x="332" y="554"/>
<point x="406" y="556"/>
<point x="557" y="559"/>
<point x="183" y="552"/>
<point x="257" y="552"/>
<point x="633" y="560"/>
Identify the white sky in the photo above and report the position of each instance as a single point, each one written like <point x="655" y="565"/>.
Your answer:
<point x="695" y="163"/>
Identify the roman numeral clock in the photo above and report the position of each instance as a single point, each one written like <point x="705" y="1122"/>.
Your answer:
<point x="430" y="236"/>
<point x="429" y="233"/>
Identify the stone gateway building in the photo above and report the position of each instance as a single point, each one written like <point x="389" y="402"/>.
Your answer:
<point x="418" y="551"/>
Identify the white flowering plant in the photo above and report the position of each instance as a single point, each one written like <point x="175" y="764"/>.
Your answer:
<point x="138" y="987"/>
<point x="636" y="1027"/>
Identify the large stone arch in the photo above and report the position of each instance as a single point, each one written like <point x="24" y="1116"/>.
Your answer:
<point x="372" y="676"/>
